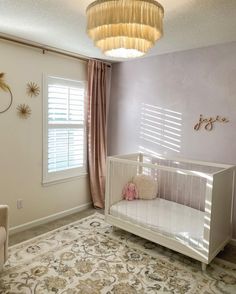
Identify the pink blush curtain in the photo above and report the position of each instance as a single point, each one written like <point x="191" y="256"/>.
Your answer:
<point x="97" y="137"/>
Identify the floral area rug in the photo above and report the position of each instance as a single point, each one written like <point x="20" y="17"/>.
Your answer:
<point x="88" y="257"/>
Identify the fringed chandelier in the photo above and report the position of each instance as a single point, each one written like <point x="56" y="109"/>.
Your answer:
<point x="125" y="28"/>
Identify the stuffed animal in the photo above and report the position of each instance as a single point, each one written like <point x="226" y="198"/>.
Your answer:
<point x="130" y="192"/>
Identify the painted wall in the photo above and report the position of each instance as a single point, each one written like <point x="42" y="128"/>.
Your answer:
<point x="21" y="140"/>
<point x="156" y="102"/>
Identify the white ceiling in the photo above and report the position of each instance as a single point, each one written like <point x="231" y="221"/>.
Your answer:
<point x="188" y="24"/>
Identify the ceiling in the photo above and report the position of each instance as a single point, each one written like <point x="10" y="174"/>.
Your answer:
<point x="188" y="24"/>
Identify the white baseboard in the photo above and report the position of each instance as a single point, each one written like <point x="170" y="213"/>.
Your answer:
<point x="233" y="242"/>
<point x="49" y="218"/>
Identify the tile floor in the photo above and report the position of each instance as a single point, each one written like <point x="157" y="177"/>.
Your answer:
<point x="229" y="254"/>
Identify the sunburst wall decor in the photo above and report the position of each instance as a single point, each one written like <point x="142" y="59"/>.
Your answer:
<point x="24" y="110"/>
<point x="5" y="88"/>
<point x="33" y="89"/>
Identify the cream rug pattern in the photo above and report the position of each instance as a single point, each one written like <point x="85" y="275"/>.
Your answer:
<point x="88" y="257"/>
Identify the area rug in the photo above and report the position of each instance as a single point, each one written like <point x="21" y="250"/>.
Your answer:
<point x="88" y="257"/>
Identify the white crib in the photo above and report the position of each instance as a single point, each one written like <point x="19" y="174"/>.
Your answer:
<point x="192" y="213"/>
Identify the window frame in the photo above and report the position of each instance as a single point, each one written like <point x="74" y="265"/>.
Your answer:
<point x="68" y="174"/>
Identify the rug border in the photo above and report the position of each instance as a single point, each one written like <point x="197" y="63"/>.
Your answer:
<point x="54" y="230"/>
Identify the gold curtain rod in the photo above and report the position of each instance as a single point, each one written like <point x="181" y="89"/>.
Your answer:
<point x="48" y="49"/>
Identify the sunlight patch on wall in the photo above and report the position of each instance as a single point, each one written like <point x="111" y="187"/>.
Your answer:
<point x="160" y="127"/>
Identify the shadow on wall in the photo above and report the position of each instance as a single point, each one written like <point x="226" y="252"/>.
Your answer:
<point x="160" y="127"/>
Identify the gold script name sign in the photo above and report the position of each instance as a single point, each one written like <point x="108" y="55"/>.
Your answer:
<point x="208" y="123"/>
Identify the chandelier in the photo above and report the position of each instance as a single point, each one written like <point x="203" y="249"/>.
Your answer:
<point x="125" y="28"/>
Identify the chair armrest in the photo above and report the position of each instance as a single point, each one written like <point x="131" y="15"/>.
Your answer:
<point x="4" y="217"/>
<point x="4" y="223"/>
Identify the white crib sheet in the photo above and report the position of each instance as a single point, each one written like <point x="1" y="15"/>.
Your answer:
<point x="170" y="218"/>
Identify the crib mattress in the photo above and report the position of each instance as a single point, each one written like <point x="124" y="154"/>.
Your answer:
<point x="170" y="218"/>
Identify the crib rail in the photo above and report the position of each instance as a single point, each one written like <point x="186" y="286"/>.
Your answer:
<point x="140" y="156"/>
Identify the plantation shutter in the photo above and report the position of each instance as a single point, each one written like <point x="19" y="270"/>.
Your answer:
<point x="65" y="126"/>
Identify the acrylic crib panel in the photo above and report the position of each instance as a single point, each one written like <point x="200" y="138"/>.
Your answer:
<point x="221" y="210"/>
<point x="187" y="191"/>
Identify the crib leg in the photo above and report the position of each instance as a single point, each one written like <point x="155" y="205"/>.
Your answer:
<point x="204" y="266"/>
<point x="114" y="228"/>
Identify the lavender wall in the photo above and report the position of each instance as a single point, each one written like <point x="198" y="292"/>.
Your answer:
<point x="155" y="102"/>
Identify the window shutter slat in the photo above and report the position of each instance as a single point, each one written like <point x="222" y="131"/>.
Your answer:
<point x="65" y="144"/>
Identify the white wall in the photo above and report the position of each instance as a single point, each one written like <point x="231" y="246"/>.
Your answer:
<point x="183" y="85"/>
<point x="21" y="140"/>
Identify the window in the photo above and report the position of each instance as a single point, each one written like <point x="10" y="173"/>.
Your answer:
<point x="64" y="129"/>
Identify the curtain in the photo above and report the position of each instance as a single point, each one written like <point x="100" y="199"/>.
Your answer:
<point x="97" y="129"/>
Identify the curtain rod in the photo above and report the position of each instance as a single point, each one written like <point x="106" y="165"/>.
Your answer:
<point x="48" y="48"/>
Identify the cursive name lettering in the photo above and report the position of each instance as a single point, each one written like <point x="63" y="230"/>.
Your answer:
<point x="209" y="122"/>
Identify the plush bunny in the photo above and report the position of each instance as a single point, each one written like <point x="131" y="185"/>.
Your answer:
<point x="130" y="192"/>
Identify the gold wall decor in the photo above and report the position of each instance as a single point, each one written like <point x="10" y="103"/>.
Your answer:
<point x="4" y="87"/>
<point x="24" y="110"/>
<point x="33" y="89"/>
<point x="208" y="123"/>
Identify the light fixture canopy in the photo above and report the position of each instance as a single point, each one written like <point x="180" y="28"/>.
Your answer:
<point x="125" y="28"/>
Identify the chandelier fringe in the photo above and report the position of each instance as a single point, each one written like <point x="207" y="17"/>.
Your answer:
<point x="125" y="24"/>
<point x="120" y="42"/>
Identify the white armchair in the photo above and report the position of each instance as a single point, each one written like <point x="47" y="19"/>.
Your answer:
<point x="3" y="234"/>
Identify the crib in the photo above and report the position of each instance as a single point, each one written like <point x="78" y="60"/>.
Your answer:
<point x="192" y="213"/>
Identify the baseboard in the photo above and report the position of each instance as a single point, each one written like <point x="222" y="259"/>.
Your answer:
<point x="49" y="218"/>
<point x="233" y="242"/>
